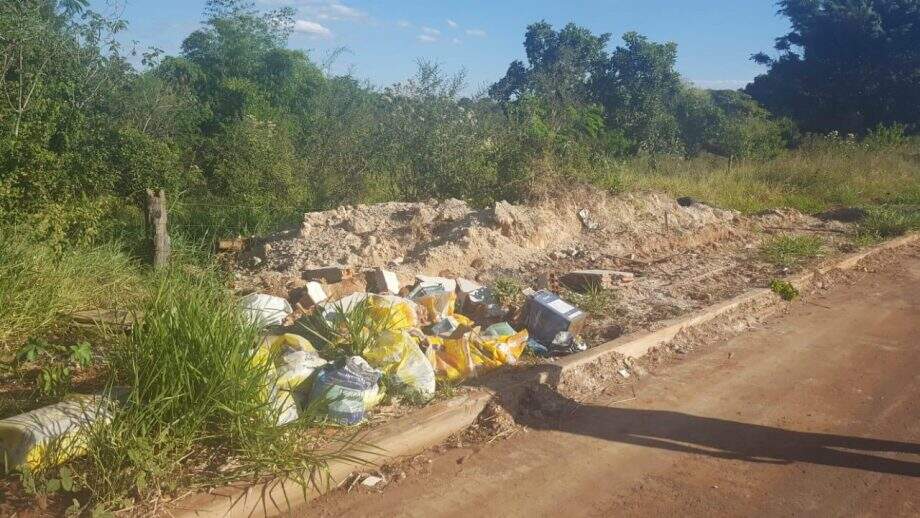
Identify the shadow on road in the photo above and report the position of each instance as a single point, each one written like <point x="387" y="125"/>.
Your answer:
<point x="713" y="437"/>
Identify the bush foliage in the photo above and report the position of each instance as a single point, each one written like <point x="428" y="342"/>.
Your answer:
<point x="249" y="133"/>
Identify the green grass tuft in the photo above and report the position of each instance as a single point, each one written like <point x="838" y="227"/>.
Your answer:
<point x="197" y="409"/>
<point x="790" y="250"/>
<point x="784" y="289"/>
<point x="594" y="299"/>
<point x="888" y="221"/>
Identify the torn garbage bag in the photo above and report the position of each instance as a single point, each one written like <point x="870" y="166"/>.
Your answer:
<point x="456" y="359"/>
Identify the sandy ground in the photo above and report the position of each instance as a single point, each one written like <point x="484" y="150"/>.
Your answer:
<point x="817" y="412"/>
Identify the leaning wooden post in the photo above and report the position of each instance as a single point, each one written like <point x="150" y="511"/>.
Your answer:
<point x="156" y="227"/>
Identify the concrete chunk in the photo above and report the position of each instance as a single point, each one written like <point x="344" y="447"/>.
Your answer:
<point x="425" y="280"/>
<point x="382" y="281"/>
<point x="605" y="279"/>
<point x="329" y="274"/>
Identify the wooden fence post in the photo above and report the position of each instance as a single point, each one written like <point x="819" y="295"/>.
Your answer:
<point x="156" y="227"/>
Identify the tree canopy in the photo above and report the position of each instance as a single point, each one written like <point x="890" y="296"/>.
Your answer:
<point x="846" y="65"/>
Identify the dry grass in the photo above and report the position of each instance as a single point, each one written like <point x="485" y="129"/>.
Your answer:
<point x="810" y="179"/>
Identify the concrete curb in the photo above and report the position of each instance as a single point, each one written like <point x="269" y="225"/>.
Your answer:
<point x="431" y="425"/>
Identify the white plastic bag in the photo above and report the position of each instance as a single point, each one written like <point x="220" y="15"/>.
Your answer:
<point x="264" y="310"/>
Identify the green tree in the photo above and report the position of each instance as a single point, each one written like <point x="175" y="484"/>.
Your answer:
<point x="638" y="89"/>
<point x="635" y="85"/>
<point x="846" y="65"/>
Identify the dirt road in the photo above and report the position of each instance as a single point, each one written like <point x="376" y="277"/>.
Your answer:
<point x="816" y="413"/>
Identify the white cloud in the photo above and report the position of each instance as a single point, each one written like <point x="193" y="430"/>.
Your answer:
<point x="457" y="41"/>
<point x="427" y="38"/>
<point x="326" y="10"/>
<point x="338" y="11"/>
<point x="405" y="24"/>
<point x="452" y="24"/>
<point x="479" y="33"/>
<point x="431" y="32"/>
<point x="312" y="28"/>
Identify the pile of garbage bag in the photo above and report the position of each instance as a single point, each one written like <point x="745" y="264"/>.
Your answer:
<point x="374" y="344"/>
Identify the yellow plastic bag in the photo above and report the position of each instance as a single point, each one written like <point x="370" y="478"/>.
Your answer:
<point x="397" y="354"/>
<point x="292" y="364"/>
<point x="393" y="312"/>
<point x="437" y="306"/>
<point x="457" y="359"/>
<point x="505" y="350"/>
<point x="272" y="345"/>
<point x="450" y="359"/>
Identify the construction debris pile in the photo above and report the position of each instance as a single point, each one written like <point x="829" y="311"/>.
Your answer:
<point x="351" y="280"/>
<point x="405" y="339"/>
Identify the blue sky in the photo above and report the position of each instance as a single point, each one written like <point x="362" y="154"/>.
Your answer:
<point x="384" y="38"/>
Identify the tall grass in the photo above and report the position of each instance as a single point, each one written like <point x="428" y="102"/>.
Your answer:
<point x="40" y="284"/>
<point x="812" y="178"/>
<point x="197" y="410"/>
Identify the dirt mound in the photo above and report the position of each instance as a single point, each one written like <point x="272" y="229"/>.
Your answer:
<point x="684" y="255"/>
<point x="450" y="237"/>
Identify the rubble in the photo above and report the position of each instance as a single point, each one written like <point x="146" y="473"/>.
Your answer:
<point x="382" y="281"/>
<point x="536" y="244"/>
<point x="585" y="216"/>
<point x="581" y="280"/>
<point x="330" y="274"/>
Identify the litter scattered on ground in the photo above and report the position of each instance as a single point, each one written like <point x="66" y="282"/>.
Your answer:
<point x="546" y="315"/>
<point x="371" y="481"/>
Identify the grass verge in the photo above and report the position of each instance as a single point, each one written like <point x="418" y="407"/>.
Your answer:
<point x="40" y="285"/>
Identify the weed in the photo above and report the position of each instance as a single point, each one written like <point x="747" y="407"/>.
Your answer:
<point x="790" y="250"/>
<point x="784" y="289"/>
<point x="345" y="332"/>
<point x="594" y="299"/>
<point x="509" y="292"/>
<point x="54" y="380"/>
<point x="81" y="354"/>
<point x="32" y="350"/>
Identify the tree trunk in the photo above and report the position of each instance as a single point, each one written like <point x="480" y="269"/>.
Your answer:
<point x="156" y="228"/>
